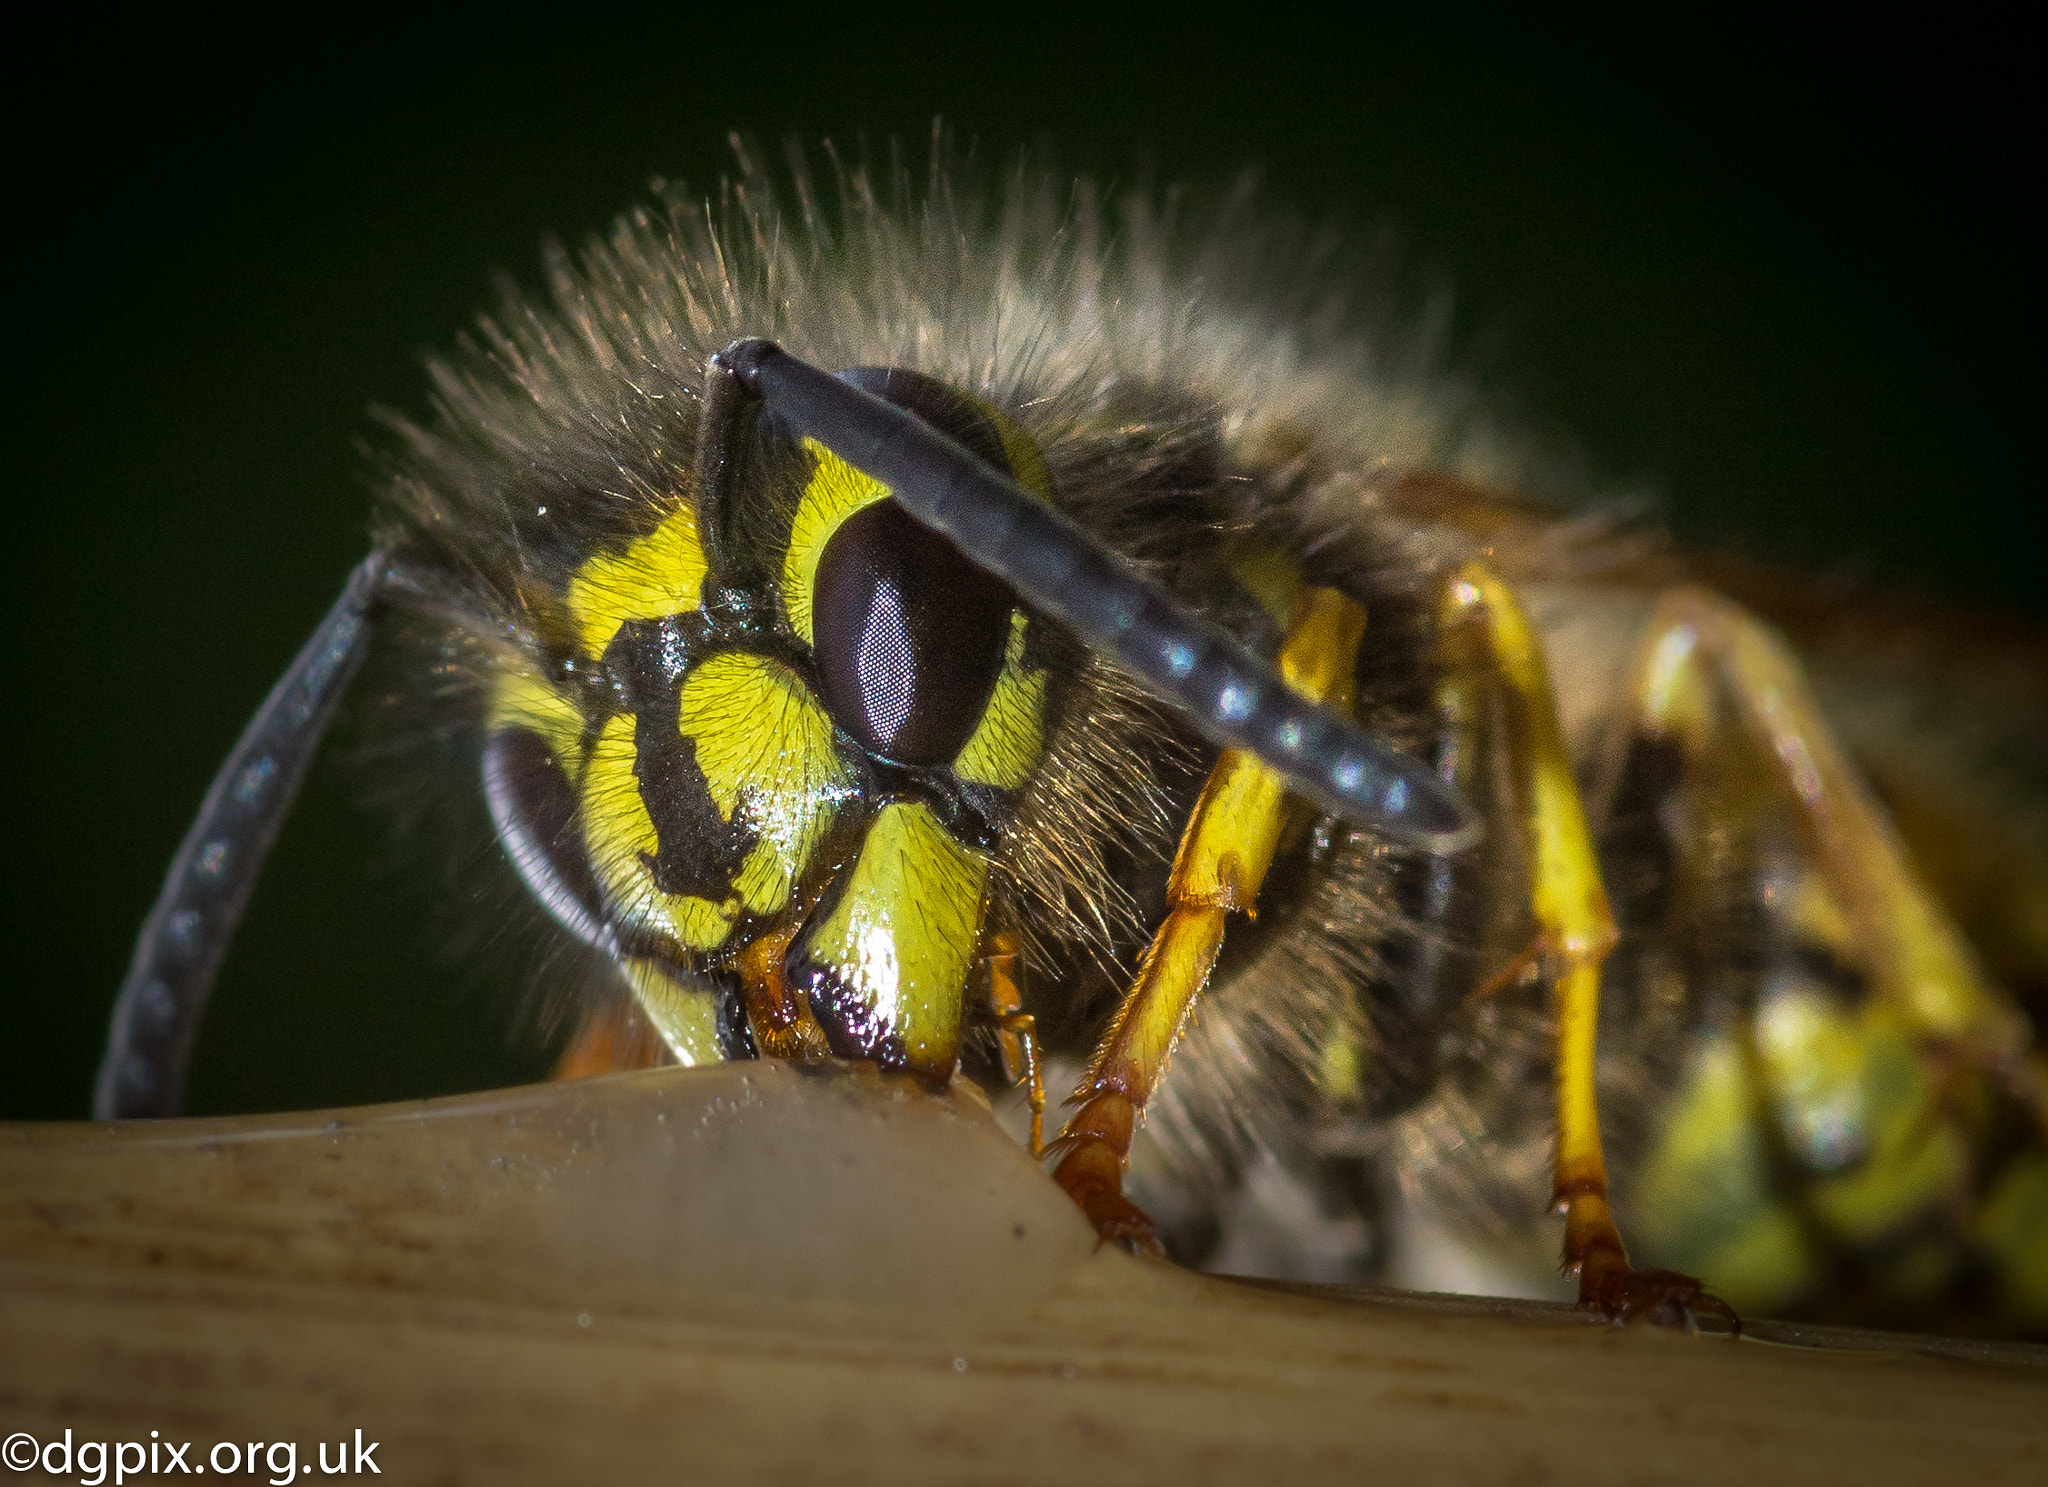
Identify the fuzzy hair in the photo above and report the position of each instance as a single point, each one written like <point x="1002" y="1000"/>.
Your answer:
<point x="1196" y="373"/>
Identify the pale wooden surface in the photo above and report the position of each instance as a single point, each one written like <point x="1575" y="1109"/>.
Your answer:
<point x="753" y="1274"/>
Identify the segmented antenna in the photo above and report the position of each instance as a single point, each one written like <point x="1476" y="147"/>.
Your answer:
<point x="185" y="937"/>
<point x="1234" y="695"/>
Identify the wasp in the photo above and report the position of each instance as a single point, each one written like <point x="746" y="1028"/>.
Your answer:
<point x="987" y="633"/>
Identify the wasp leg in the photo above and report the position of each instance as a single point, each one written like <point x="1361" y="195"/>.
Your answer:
<point x="1521" y="968"/>
<point x="611" y="1039"/>
<point x="1222" y="861"/>
<point x="1485" y="628"/>
<point x="1916" y="957"/>
<point x="1016" y="1030"/>
<point x="663" y="1021"/>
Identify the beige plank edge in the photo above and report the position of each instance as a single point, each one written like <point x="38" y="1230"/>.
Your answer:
<point x="756" y="1274"/>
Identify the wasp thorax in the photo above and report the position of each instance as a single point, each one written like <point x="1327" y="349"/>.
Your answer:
<point x="909" y="636"/>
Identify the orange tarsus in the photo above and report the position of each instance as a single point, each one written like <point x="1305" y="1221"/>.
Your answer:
<point x="1017" y="1030"/>
<point x="1226" y="847"/>
<point x="1091" y="1167"/>
<point x="1023" y="1027"/>
<point x="612" y="1039"/>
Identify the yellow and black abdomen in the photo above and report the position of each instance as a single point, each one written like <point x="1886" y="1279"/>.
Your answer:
<point x="1826" y="1147"/>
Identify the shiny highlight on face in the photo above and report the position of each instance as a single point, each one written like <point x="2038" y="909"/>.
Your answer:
<point x="825" y="784"/>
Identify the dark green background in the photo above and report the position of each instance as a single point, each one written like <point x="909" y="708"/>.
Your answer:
<point x="1786" y="283"/>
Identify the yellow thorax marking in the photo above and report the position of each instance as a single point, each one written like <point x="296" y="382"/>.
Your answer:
<point x="834" y="492"/>
<point x="659" y="575"/>
<point x="904" y="931"/>
<point x="761" y="737"/>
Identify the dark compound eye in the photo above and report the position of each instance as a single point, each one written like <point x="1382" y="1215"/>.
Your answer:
<point x="910" y="636"/>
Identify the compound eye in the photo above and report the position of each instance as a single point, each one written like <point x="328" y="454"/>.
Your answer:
<point x="908" y="636"/>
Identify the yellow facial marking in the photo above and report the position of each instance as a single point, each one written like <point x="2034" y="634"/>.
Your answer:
<point x="660" y="575"/>
<point x="765" y="878"/>
<point x="834" y="492"/>
<point x="765" y="746"/>
<point x="1020" y="449"/>
<point x="617" y="831"/>
<point x="686" y="1018"/>
<point x="1010" y="738"/>
<point x="520" y="699"/>
<point x="905" y="930"/>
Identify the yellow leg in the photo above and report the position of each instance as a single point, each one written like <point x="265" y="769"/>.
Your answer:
<point x="1222" y="861"/>
<point x="1484" y="628"/>
<point x="1017" y="1030"/>
<point x="1916" y="957"/>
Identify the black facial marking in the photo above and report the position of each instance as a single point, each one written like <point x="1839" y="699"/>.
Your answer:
<point x="699" y="852"/>
<point x="647" y="658"/>
<point x="970" y="813"/>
